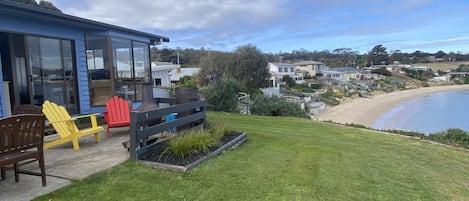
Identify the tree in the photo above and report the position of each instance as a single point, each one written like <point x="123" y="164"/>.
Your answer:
<point x="42" y="4"/>
<point x="289" y="81"/>
<point x="216" y="66"/>
<point x="440" y="54"/>
<point x="48" y="5"/>
<point x="223" y="95"/>
<point x="378" y="55"/>
<point x="251" y="68"/>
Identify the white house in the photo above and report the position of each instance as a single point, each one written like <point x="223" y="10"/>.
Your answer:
<point x="278" y="70"/>
<point x="160" y="73"/>
<point x="310" y="67"/>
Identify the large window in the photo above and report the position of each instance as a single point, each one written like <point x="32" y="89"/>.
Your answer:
<point x="97" y="59"/>
<point x="128" y="63"/>
<point x="52" y="72"/>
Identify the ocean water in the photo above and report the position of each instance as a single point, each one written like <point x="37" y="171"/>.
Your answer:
<point x="429" y="114"/>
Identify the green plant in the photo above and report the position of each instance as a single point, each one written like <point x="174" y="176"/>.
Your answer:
<point x="329" y="98"/>
<point x="276" y="106"/>
<point x="187" y="81"/>
<point x="223" y="95"/>
<point x="195" y="141"/>
<point x="192" y="142"/>
<point x="382" y="71"/>
<point x="452" y="136"/>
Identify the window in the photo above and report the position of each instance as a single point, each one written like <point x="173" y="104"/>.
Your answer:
<point x="117" y="66"/>
<point x="52" y="72"/>
<point x="285" y="69"/>
<point x="97" y="59"/>
<point x="292" y="70"/>
<point x="158" y="82"/>
<point x="280" y="69"/>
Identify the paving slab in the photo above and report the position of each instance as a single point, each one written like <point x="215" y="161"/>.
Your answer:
<point x="64" y="165"/>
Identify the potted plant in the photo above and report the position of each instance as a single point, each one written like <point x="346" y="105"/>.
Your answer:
<point x="186" y="91"/>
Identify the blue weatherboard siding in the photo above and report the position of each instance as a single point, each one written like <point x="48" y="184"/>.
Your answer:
<point x="25" y="20"/>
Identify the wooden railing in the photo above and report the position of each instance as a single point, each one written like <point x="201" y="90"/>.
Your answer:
<point x="144" y="125"/>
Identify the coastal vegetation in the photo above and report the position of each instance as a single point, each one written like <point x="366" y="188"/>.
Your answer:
<point x="293" y="159"/>
<point x="453" y="136"/>
<point x="222" y="95"/>
<point x="276" y="106"/>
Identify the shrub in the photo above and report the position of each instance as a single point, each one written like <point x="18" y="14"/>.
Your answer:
<point x="223" y="95"/>
<point x="451" y="136"/>
<point x="329" y="98"/>
<point x="187" y="81"/>
<point x="289" y="81"/>
<point x="382" y="71"/>
<point x="276" y="106"/>
<point x="407" y="133"/>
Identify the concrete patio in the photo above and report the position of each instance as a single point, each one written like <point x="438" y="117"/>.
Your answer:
<point x="63" y="165"/>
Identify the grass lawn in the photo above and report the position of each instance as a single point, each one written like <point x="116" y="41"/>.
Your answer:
<point x="293" y="159"/>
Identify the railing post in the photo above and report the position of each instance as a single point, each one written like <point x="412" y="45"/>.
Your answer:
<point x="133" y="136"/>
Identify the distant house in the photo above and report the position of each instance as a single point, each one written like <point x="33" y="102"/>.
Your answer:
<point x="418" y="68"/>
<point x="176" y="74"/>
<point x="278" y="70"/>
<point x="309" y="67"/>
<point x="160" y="73"/>
<point x="75" y="62"/>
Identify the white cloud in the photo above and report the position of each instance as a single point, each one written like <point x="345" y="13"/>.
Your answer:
<point x="226" y="24"/>
<point x="179" y="14"/>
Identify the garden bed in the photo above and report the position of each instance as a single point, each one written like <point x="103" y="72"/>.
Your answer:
<point x="161" y="159"/>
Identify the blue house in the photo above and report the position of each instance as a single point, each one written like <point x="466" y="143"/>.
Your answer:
<point x="74" y="62"/>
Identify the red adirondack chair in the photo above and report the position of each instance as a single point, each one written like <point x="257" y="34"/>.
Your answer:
<point x="117" y="113"/>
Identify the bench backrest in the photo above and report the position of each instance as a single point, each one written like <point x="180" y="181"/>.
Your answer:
<point x="21" y="132"/>
<point x="27" y="109"/>
<point x="60" y="119"/>
<point x="117" y="110"/>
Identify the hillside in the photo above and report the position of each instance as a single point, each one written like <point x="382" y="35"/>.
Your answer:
<point x="442" y="65"/>
<point x="294" y="159"/>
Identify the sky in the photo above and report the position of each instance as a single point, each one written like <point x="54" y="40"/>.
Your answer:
<point x="284" y="25"/>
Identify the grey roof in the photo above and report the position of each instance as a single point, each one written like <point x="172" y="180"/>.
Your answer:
<point x="307" y="63"/>
<point x="283" y="64"/>
<point x="19" y="9"/>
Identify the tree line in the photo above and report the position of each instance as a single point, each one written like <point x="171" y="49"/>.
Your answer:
<point x="340" y="57"/>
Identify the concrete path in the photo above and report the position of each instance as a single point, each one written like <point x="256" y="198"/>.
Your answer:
<point x="63" y="165"/>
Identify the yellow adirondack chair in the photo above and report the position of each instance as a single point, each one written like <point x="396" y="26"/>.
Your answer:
<point x="65" y="126"/>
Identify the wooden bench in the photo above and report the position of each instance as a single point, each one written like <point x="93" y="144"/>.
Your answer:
<point x="32" y="109"/>
<point x="21" y="139"/>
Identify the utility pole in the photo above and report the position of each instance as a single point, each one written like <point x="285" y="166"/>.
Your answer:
<point x="177" y="55"/>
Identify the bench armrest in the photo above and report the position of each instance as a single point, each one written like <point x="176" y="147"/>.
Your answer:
<point x="92" y="116"/>
<point x="85" y="116"/>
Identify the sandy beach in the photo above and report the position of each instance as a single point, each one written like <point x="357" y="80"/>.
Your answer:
<point x="366" y="111"/>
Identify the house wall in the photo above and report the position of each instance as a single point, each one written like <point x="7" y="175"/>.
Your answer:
<point x="37" y="27"/>
<point x="163" y="75"/>
<point x="48" y="28"/>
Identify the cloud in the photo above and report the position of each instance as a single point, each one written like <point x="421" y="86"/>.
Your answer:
<point x="225" y="24"/>
<point x="180" y="15"/>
